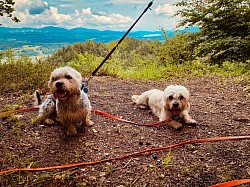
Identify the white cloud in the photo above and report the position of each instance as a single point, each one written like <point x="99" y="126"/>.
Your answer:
<point x="166" y="9"/>
<point x="50" y="16"/>
<point x="33" y="6"/>
<point x="129" y="1"/>
<point x="69" y="14"/>
<point x="102" y="20"/>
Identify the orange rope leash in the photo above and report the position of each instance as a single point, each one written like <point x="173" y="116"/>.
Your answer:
<point x="215" y="139"/>
<point x="232" y="183"/>
<point x="96" y="112"/>
<point x="21" y="110"/>
<point x="131" y="122"/>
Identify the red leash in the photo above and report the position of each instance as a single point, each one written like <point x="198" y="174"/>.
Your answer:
<point x="215" y="139"/>
<point x="96" y="112"/>
<point x="232" y="183"/>
<point x="131" y="122"/>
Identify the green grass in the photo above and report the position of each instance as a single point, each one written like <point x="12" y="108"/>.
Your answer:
<point x="167" y="159"/>
<point x="21" y="74"/>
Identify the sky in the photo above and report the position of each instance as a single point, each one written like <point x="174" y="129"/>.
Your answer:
<point x="116" y="15"/>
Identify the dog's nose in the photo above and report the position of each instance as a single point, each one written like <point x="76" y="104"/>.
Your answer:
<point x="59" y="84"/>
<point x="175" y="104"/>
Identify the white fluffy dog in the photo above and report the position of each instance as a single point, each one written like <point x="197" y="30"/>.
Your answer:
<point x="173" y="103"/>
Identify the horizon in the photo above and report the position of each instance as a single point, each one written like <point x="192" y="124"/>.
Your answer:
<point x="173" y="30"/>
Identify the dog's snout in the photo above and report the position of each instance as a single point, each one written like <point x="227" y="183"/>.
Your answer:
<point x="175" y="104"/>
<point x="59" y="84"/>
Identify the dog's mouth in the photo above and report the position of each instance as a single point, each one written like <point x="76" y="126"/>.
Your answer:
<point x="176" y="112"/>
<point x="61" y="93"/>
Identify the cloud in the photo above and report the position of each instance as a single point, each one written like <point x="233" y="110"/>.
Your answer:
<point x="47" y="18"/>
<point x="35" y="13"/>
<point x="70" y="14"/>
<point x="166" y="9"/>
<point x="101" y="20"/>
<point x="32" y="6"/>
<point x="128" y="2"/>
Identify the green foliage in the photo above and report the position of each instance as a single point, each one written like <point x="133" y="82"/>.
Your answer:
<point x="179" y="48"/>
<point x="224" y="28"/>
<point x="133" y="58"/>
<point x="6" y="7"/>
<point x="23" y="74"/>
<point x="64" y="55"/>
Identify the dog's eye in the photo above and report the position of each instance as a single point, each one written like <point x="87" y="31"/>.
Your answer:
<point x="68" y="77"/>
<point x="53" y="78"/>
<point x="170" y="97"/>
<point x="181" y="97"/>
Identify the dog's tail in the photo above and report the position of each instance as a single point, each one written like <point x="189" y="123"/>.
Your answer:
<point x="37" y="96"/>
<point x="135" y="98"/>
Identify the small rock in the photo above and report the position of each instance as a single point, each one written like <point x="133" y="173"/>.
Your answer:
<point x="162" y="176"/>
<point x="92" y="178"/>
<point x="103" y="179"/>
<point x="102" y="174"/>
<point x="196" y="176"/>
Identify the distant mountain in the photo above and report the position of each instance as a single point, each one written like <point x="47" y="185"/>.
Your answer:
<point x="47" y="40"/>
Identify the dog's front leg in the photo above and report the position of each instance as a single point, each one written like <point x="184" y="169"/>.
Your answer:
<point x="87" y="120"/>
<point x="70" y="129"/>
<point x="165" y="115"/>
<point x="188" y="119"/>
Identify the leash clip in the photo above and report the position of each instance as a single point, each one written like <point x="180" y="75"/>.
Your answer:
<point x="84" y="87"/>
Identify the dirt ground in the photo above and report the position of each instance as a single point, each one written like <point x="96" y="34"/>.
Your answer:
<point x="220" y="107"/>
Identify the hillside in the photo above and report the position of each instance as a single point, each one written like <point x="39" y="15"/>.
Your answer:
<point x="47" y="40"/>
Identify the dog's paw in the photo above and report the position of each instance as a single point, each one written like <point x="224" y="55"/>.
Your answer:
<point x="175" y="124"/>
<point x="71" y="130"/>
<point x="89" y="123"/>
<point x="141" y="106"/>
<point x="191" y="122"/>
<point x="49" y="121"/>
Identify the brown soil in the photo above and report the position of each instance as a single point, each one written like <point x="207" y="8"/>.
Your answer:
<point x="219" y="105"/>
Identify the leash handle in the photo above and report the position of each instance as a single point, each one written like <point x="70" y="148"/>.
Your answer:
<point x="110" y="53"/>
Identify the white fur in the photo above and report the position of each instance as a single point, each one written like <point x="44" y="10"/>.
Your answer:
<point x="163" y="104"/>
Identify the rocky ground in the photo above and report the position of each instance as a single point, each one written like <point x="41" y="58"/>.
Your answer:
<point x="220" y="107"/>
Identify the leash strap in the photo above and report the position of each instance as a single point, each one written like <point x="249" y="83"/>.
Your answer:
<point x="110" y="53"/>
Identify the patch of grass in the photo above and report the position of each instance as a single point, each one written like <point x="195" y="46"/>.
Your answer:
<point x="36" y="120"/>
<point x="109" y="169"/>
<point x="8" y="112"/>
<point x="226" y="176"/>
<point x="25" y="97"/>
<point x="167" y="159"/>
<point x="247" y="90"/>
<point x="17" y="128"/>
